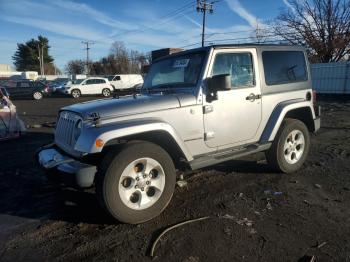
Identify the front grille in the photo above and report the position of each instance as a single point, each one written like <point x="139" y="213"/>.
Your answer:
<point x="64" y="133"/>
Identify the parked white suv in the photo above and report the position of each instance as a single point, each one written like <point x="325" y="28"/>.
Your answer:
<point x="90" y="86"/>
<point x="122" y="82"/>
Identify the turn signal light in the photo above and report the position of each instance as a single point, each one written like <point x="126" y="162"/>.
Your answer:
<point x="99" y="143"/>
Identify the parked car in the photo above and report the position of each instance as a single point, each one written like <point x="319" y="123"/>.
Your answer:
<point x="89" y="86"/>
<point x="10" y="125"/>
<point x="197" y="108"/>
<point x="123" y="82"/>
<point x="59" y="86"/>
<point x="27" y="89"/>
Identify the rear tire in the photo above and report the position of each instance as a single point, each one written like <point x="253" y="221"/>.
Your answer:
<point x="76" y="93"/>
<point x="37" y="95"/>
<point x="290" y="147"/>
<point x="136" y="184"/>
<point x="106" y="92"/>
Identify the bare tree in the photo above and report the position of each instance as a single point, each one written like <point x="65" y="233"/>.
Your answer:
<point x="127" y="61"/>
<point x="121" y="57"/>
<point x="75" y="67"/>
<point x="260" y="33"/>
<point x="119" y="61"/>
<point x="323" y="26"/>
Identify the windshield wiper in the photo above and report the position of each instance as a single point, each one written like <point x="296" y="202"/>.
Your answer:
<point x="162" y="88"/>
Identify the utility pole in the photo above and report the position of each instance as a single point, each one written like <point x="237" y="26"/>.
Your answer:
<point x="39" y="58"/>
<point x="42" y="60"/>
<point x="87" y="48"/>
<point x="203" y="6"/>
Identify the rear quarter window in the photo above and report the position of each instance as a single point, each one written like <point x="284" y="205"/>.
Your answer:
<point x="284" y="67"/>
<point x="24" y="84"/>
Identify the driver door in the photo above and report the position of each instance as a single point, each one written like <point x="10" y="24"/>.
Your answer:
<point x="234" y="117"/>
<point x="88" y="87"/>
<point x="117" y="82"/>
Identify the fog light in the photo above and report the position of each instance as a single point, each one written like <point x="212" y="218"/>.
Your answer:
<point x="99" y="143"/>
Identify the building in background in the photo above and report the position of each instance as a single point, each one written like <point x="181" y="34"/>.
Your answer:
<point x="158" y="54"/>
<point x="5" y="68"/>
<point x="6" y="71"/>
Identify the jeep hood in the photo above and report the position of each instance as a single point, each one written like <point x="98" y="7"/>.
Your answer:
<point x="113" y="107"/>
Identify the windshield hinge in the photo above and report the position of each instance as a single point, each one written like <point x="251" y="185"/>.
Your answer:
<point x="208" y="109"/>
<point x="209" y="135"/>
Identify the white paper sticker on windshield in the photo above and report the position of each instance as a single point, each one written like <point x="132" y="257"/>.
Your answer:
<point x="181" y="63"/>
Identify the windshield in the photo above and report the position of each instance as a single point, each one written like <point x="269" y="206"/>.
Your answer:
<point x="78" y="81"/>
<point x="178" y="71"/>
<point x="110" y="78"/>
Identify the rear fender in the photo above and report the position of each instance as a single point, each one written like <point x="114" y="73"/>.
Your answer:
<point x="279" y="113"/>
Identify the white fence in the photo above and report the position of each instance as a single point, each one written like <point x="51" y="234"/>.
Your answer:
<point x="331" y="78"/>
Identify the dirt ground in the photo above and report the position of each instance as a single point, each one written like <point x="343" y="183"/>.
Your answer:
<point x="255" y="214"/>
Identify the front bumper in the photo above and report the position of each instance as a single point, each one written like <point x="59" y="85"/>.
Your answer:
<point x="69" y="169"/>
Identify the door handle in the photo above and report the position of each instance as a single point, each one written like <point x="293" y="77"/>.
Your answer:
<point x="252" y="97"/>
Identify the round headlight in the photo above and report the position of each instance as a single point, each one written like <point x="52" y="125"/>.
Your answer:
<point x="77" y="129"/>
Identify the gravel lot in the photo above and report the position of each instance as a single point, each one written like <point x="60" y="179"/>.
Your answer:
<point x="255" y="214"/>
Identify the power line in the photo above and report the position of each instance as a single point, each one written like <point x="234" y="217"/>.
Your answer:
<point x="163" y="21"/>
<point x="189" y="4"/>
<point x="269" y="38"/>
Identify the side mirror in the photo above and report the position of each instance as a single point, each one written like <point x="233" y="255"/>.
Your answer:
<point x="219" y="83"/>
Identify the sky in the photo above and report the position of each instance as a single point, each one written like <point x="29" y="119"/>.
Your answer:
<point x="143" y="25"/>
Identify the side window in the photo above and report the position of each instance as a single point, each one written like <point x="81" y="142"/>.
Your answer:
<point x="238" y="65"/>
<point x="40" y="84"/>
<point x="117" y="78"/>
<point x="24" y="84"/>
<point x="100" y="81"/>
<point x="282" y="67"/>
<point x="90" y="82"/>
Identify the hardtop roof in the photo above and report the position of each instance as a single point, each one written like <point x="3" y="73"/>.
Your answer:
<point x="226" y="46"/>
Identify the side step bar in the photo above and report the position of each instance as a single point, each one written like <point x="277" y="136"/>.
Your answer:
<point x="230" y="154"/>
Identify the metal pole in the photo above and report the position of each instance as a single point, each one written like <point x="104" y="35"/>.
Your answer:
<point x="203" y="6"/>
<point x="87" y="58"/>
<point x="203" y="24"/>
<point x="42" y="60"/>
<point x="87" y="55"/>
<point x="39" y="58"/>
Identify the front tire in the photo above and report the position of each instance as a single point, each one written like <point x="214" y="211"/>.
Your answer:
<point x="76" y="93"/>
<point x="290" y="148"/>
<point x="137" y="184"/>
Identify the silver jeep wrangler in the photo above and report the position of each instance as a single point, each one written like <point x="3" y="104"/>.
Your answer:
<point x="197" y="108"/>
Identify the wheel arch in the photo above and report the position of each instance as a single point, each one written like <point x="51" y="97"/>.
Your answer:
<point x="158" y="137"/>
<point x="296" y="109"/>
<point x="156" y="132"/>
<point x="75" y="88"/>
<point x="304" y="114"/>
